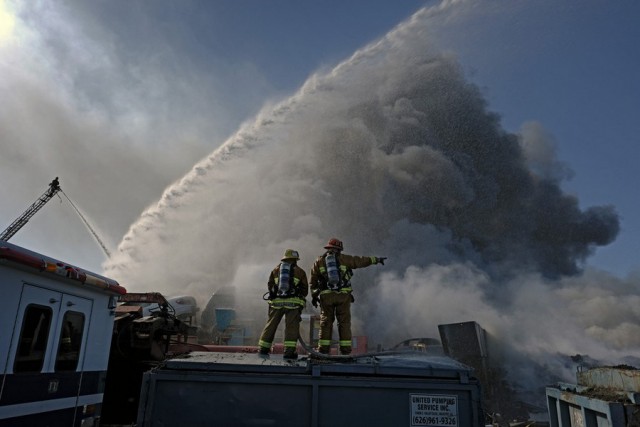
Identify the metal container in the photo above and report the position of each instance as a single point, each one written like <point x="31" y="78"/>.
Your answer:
<point x="235" y="389"/>
<point x="603" y="397"/>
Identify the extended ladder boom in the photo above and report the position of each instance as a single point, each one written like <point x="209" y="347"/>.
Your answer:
<point x="16" y="225"/>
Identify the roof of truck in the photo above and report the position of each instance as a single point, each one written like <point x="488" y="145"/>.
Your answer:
<point x="39" y="263"/>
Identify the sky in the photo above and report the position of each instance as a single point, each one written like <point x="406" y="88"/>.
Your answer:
<point x="486" y="148"/>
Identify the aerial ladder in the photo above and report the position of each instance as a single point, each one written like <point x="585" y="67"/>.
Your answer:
<point x="54" y="188"/>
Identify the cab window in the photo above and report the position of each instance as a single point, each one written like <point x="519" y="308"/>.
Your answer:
<point x="70" y="341"/>
<point x="34" y="335"/>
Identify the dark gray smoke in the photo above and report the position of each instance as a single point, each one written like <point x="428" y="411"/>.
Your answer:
<point x="430" y="152"/>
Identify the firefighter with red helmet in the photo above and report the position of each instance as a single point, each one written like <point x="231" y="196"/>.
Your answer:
<point x="331" y="287"/>
<point x="288" y="288"/>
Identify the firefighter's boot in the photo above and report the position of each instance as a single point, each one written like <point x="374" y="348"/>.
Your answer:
<point x="290" y="354"/>
<point x="324" y="349"/>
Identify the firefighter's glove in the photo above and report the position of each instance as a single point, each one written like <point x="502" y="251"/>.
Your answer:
<point x="272" y="295"/>
<point x="315" y="300"/>
<point x="380" y="260"/>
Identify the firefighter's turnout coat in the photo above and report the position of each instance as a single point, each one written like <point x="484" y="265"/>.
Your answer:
<point x="288" y="306"/>
<point x="335" y="304"/>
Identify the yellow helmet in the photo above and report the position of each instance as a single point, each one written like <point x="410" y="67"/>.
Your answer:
<point x="290" y="254"/>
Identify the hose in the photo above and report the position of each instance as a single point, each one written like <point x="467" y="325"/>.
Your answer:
<point x="344" y="357"/>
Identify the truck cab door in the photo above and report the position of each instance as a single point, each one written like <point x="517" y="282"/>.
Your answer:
<point x="32" y="343"/>
<point x="70" y="334"/>
<point x="50" y="331"/>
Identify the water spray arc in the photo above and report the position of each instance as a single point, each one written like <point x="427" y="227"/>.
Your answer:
<point x="86" y="223"/>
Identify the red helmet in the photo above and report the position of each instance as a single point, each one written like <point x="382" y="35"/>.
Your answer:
<point x="334" y="244"/>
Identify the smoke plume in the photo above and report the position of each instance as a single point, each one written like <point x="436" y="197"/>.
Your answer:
<point x="392" y="151"/>
<point x="397" y="154"/>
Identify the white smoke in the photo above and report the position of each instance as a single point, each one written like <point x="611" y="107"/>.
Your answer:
<point x="106" y="114"/>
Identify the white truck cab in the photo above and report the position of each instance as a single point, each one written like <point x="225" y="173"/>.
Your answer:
<point x="56" y="324"/>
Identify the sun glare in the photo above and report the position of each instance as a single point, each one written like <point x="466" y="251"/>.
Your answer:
<point x="7" y="22"/>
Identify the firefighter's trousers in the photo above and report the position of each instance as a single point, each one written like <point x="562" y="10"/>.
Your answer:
<point x="335" y="306"/>
<point x="291" y="328"/>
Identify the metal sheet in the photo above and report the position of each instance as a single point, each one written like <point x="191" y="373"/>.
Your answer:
<point x="616" y="378"/>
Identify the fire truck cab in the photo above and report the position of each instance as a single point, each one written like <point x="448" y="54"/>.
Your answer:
<point x="49" y="313"/>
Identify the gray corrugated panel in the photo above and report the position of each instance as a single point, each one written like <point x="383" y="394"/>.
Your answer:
<point x="624" y="379"/>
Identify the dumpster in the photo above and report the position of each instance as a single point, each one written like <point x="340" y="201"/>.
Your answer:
<point x="603" y="397"/>
<point x="243" y="389"/>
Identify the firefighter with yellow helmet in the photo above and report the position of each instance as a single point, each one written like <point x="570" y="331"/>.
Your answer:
<point x="331" y="287"/>
<point x="288" y="288"/>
